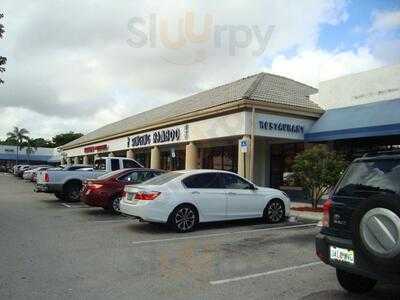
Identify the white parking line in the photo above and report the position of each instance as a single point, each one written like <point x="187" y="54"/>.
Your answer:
<point x="221" y="234"/>
<point x="110" y="221"/>
<point x="265" y="273"/>
<point x="66" y="205"/>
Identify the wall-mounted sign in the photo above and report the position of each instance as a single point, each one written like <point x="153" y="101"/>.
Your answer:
<point x="97" y="148"/>
<point x="158" y="137"/>
<point x="278" y="126"/>
<point x="284" y="127"/>
<point x="244" y="146"/>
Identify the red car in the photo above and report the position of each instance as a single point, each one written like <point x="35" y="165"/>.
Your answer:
<point x="106" y="190"/>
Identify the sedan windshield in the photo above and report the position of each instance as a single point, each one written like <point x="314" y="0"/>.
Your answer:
<point x="366" y="177"/>
<point x="163" y="178"/>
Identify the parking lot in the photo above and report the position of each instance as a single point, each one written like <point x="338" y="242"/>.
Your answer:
<point x="50" y="249"/>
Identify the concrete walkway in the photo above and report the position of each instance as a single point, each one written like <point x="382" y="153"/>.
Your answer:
<point x="315" y="216"/>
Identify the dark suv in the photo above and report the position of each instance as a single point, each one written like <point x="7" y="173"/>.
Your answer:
<point x="360" y="233"/>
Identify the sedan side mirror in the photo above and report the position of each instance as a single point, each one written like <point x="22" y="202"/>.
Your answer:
<point x="252" y="187"/>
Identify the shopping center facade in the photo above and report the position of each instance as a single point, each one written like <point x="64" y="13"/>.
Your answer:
<point x="254" y="126"/>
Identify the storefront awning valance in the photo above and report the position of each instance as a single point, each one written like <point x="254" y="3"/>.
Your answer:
<point x="367" y="120"/>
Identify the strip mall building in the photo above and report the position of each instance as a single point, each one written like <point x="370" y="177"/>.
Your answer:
<point x="254" y="126"/>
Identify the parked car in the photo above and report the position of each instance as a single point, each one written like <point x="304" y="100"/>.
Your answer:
<point x="360" y="236"/>
<point x="106" y="191"/>
<point x="17" y="169"/>
<point x="23" y="169"/>
<point x="28" y="174"/>
<point x="66" y="184"/>
<point x="185" y="198"/>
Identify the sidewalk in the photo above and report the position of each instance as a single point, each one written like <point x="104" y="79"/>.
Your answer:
<point x="309" y="215"/>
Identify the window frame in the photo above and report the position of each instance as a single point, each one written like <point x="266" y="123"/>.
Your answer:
<point x="250" y="184"/>
<point x="217" y="174"/>
<point x="136" y="164"/>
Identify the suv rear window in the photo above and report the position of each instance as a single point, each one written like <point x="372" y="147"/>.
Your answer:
<point x="364" y="178"/>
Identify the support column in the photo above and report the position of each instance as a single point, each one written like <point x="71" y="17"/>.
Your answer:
<point x="192" y="155"/>
<point x="111" y="154"/>
<point x="244" y="159"/>
<point x="86" y="160"/>
<point x="129" y="154"/>
<point x="155" y="162"/>
<point x="76" y="160"/>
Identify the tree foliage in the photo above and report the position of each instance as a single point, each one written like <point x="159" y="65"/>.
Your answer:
<point x="20" y="136"/>
<point x="17" y="137"/>
<point x="317" y="169"/>
<point x="3" y="59"/>
<point x="64" y="138"/>
<point x="41" y="142"/>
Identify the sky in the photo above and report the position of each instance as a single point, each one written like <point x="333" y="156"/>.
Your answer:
<point x="78" y="65"/>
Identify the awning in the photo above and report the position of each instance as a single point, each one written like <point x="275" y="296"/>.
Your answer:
<point x="360" y="121"/>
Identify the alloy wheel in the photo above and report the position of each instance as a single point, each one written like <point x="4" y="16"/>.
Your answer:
<point x="275" y="211"/>
<point x="185" y="219"/>
<point x="115" y="204"/>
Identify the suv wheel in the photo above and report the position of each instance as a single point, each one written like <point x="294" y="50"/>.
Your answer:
<point x="354" y="283"/>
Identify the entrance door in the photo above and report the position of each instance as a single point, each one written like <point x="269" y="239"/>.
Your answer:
<point x="170" y="163"/>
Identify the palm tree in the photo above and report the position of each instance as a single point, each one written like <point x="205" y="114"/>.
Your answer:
<point x="19" y="135"/>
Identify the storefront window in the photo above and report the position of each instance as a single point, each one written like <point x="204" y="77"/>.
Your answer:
<point x="221" y="158"/>
<point x="170" y="163"/>
<point x="282" y="159"/>
<point x="143" y="159"/>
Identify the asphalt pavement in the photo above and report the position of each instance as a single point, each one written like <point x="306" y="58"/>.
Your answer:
<point x="55" y="250"/>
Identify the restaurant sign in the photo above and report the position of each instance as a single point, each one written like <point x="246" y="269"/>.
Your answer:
<point x="97" y="148"/>
<point x="284" y="127"/>
<point x="158" y="137"/>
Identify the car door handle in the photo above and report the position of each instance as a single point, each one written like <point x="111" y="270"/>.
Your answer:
<point x="195" y="193"/>
<point x="232" y="194"/>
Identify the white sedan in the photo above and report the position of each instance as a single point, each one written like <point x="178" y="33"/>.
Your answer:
<point x="185" y="198"/>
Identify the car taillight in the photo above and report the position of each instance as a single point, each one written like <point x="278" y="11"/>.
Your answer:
<point x="46" y="177"/>
<point x="146" y="196"/>
<point x="94" y="185"/>
<point x="326" y="212"/>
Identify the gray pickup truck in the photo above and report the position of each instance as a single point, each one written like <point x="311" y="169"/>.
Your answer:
<point x="66" y="184"/>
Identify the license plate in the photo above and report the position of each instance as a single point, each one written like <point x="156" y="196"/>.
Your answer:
<point x="342" y="255"/>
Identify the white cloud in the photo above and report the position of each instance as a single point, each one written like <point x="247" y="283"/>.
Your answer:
<point x="386" y="20"/>
<point x="315" y="65"/>
<point x="70" y="66"/>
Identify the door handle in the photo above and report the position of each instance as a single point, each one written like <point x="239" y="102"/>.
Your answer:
<point x="232" y="194"/>
<point x="195" y="193"/>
